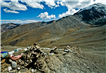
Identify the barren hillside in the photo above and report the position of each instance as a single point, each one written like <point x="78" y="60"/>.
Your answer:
<point x="76" y="29"/>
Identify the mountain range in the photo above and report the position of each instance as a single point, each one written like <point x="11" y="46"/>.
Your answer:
<point x="8" y="26"/>
<point x="84" y="28"/>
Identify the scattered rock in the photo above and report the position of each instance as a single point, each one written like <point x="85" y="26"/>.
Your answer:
<point x="14" y="64"/>
<point x="9" y="68"/>
<point x="35" y="59"/>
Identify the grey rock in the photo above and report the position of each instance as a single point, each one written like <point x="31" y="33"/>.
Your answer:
<point x="14" y="64"/>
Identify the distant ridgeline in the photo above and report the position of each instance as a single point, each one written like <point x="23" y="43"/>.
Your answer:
<point x="8" y="26"/>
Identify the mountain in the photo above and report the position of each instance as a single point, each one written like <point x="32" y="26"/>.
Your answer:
<point x="80" y="29"/>
<point x="8" y="26"/>
<point x="34" y="32"/>
<point x="94" y="14"/>
<point x="84" y="32"/>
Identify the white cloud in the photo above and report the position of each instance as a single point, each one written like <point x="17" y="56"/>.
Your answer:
<point x="33" y="3"/>
<point x="100" y="1"/>
<point x="50" y="3"/>
<point x="79" y="4"/>
<point x="82" y="3"/>
<point x="69" y="12"/>
<point x="14" y="6"/>
<point x="29" y="21"/>
<point x="70" y="4"/>
<point x="46" y="16"/>
<point x="18" y="21"/>
<point x="9" y="11"/>
<point x="58" y="2"/>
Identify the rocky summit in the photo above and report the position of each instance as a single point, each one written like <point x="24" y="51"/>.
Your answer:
<point x="94" y="14"/>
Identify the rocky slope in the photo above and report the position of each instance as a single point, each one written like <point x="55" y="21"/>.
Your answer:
<point x="31" y="33"/>
<point x="61" y="32"/>
<point x="94" y="14"/>
<point x="53" y="60"/>
<point x="8" y="26"/>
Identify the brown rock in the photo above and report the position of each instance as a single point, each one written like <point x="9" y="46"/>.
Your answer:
<point x="41" y="65"/>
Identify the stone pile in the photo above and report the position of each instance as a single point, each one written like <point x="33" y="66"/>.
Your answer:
<point x="35" y="58"/>
<point x="30" y="57"/>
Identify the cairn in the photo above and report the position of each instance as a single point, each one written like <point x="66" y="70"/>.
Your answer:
<point x="30" y="59"/>
<point x="35" y="58"/>
<point x="31" y="56"/>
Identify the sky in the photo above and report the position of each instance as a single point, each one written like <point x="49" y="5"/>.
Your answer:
<point x="28" y="11"/>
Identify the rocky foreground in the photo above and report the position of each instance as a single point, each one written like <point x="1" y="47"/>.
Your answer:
<point x="68" y="60"/>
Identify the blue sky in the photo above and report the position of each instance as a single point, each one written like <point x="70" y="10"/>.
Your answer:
<point x="27" y="11"/>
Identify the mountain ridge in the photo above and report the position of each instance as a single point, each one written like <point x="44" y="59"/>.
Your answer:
<point x="51" y="33"/>
<point x="92" y="14"/>
<point x="8" y="26"/>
